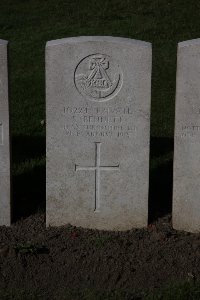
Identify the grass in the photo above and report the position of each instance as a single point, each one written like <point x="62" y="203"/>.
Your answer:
<point x="176" y="291"/>
<point x="30" y="248"/>
<point x="28" y="24"/>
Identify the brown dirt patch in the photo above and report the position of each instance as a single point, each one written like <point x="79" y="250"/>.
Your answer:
<point x="54" y="260"/>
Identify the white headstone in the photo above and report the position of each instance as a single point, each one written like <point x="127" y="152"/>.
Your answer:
<point x="186" y="194"/>
<point x="98" y="127"/>
<point x="5" y="209"/>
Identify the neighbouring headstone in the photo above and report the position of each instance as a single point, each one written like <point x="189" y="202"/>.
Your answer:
<point x="186" y="190"/>
<point x="5" y="205"/>
<point x="98" y="128"/>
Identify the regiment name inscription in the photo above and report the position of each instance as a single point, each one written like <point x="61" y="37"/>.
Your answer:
<point x="98" y="122"/>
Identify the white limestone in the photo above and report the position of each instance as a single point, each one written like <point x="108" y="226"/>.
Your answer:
<point x="186" y="193"/>
<point x="5" y="206"/>
<point x="98" y="127"/>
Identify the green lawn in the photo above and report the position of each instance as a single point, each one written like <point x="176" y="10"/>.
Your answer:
<point x="181" y="291"/>
<point x="28" y="24"/>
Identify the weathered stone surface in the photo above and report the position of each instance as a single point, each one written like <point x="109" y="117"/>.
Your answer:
<point x="98" y="127"/>
<point x="5" y="217"/>
<point x="186" y="193"/>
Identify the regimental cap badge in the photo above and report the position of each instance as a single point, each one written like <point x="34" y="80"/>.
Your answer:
<point x="98" y="77"/>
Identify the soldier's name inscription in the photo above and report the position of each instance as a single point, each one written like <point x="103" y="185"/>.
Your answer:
<point x="99" y="122"/>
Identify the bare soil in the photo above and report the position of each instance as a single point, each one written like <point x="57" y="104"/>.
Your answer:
<point x="54" y="260"/>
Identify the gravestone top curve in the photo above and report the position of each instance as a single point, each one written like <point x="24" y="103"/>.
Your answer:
<point x="3" y="42"/>
<point x="189" y="43"/>
<point x="111" y="39"/>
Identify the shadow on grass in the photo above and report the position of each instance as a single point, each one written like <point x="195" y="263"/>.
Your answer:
<point x="28" y="183"/>
<point x="27" y="147"/>
<point x="28" y="178"/>
<point x="161" y="177"/>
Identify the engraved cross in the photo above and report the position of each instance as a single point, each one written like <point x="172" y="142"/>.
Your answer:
<point x="97" y="168"/>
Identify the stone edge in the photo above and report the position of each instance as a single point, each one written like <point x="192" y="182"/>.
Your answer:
<point x="189" y="43"/>
<point x="3" y="42"/>
<point x="81" y="39"/>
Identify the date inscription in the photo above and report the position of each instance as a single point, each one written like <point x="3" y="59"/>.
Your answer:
<point x="104" y="122"/>
<point x="189" y="131"/>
